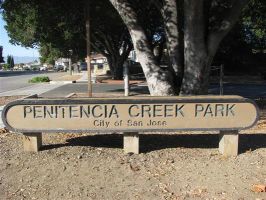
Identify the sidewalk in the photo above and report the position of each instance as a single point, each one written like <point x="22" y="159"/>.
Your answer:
<point x="33" y="89"/>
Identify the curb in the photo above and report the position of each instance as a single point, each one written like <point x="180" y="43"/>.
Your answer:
<point x="62" y="82"/>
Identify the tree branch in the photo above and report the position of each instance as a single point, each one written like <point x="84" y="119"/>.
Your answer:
<point x="229" y="19"/>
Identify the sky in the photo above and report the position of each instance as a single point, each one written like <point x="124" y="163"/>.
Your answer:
<point x="9" y="49"/>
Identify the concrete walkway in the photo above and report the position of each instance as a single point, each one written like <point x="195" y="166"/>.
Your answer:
<point x="33" y="89"/>
<point x="84" y="77"/>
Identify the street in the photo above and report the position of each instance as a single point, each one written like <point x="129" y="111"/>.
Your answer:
<point x="17" y="79"/>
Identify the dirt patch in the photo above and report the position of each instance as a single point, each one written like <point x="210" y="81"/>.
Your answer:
<point x="68" y="78"/>
<point x="93" y="166"/>
<point x="6" y="99"/>
<point x="132" y="82"/>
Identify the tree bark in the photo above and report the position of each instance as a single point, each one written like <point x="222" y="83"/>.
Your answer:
<point x="160" y="82"/>
<point x="174" y="40"/>
<point x="195" y="47"/>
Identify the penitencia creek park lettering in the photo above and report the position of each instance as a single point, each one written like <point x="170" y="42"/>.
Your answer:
<point x="133" y="115"/>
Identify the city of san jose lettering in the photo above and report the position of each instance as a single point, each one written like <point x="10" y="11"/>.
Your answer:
<point x="131" y="111"/>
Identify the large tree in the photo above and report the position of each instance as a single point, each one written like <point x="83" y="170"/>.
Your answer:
<point x="194" y="30"/>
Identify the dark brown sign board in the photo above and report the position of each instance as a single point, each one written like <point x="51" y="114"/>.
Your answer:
<point x="127" y="114"/>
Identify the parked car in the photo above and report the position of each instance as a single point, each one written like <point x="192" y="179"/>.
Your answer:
<point x="83" y="66"/>
<point x="58" y="68"/>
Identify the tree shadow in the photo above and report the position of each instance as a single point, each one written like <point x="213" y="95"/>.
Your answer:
<point x="134" y="90"/>
<point x="154" y="142"/>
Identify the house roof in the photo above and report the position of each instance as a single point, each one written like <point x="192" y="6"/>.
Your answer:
<point x="97" y="56"/>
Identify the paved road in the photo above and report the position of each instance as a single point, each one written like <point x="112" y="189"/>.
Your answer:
<point x="17" y="80"/>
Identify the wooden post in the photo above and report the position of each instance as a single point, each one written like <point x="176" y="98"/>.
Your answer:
<point x="70" y="67"/>
<point x="228" y="144"/>
<point x="32" y="142"/>
<point x="88" y="44"/>
<point x="131" y="142"/>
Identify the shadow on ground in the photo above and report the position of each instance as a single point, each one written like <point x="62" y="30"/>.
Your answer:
<point x="153" y="142"/>
<point x="134" y="90"/>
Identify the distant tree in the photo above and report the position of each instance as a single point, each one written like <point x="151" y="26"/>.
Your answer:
<point x="1" y="55"/>
<point x="8" y="62"/>
<point x="12" y="63"/>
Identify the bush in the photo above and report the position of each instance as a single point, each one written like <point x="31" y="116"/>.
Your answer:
<point x="39" y="79"/>
<point x="6" y="66"/>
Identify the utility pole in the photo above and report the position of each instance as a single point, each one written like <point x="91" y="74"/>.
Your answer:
<point x="70" y="63"/>
<point x="88" y="58"/>
<point x="126" y="78"/>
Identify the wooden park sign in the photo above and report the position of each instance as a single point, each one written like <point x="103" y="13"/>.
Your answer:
<point x="130" y="114"/>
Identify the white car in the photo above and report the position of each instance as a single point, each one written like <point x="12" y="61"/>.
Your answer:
<point x="43" y="68"/>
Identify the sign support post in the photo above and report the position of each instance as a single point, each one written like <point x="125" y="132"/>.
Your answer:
<point x="32" y="142"/>
<point x="131" y="142"/>
<point x="228" y="143"/>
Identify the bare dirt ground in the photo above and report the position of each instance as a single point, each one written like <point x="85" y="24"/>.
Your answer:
<point x="68" y="78"/>
<point x="6" y="99"/>
<point x="182" y="165"/>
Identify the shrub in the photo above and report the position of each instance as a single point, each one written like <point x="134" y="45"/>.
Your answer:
<point x="39" y="79"/>
<point x="6" y="66"/>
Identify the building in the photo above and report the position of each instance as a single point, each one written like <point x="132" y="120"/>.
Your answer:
<point x="99" y="64"/>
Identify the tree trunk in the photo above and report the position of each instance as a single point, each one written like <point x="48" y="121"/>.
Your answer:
<point x="174" y="39"/>
<point x="196" y="55"/>
<point x="117" y="73"/>
<point x="115" y="63"/>
<point x="160" y="82"/>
